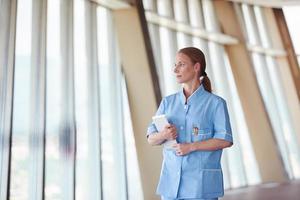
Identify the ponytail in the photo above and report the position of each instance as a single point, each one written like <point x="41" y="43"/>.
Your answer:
<point x="206" y="83"/>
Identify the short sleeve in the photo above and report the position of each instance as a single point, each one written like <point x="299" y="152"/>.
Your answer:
<point x="161" y="110"/>
<point x="221" y="122"/>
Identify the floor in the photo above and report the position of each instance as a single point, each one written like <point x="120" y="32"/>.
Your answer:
<point x="273" y="191"/>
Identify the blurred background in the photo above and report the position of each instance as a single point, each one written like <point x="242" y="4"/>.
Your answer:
<point x="80" y="80"/>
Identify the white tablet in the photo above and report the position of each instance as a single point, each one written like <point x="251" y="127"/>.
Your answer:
<point x="160" y="122"/>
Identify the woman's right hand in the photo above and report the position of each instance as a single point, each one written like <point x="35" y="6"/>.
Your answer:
<point x="169" y="132"/>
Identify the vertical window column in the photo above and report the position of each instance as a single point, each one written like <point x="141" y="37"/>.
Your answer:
<point x="38" y="104"/>
<point x="165" y="8"/>
<point x="264" y="83"/>
<point x="19" y="177"/>
<point x="197" y="20"/>
<point x="112" y="133"/>
<point x="150" y="6"/>
<point x="89" y="176"/>
<point x="181" y="15"/>
<point x="88" y="160"/>
<point x="135" y="190"/>
<point x="60" y="129"/>
<point x="280" y="95"/>
<point x="222" y="77"/>
<point x="7" y="48"/>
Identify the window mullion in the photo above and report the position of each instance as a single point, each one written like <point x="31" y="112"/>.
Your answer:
<point x="37" y="106"/>
<point x="7" y="48"/>
<point x="67" y="123"/>
<point x="222" y="86"/>
<point x="93" y="111"/>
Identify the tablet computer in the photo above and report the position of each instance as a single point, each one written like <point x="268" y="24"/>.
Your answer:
<point x="160" y="122"/>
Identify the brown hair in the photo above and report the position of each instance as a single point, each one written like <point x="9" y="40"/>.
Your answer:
<point x="197" y="56"/>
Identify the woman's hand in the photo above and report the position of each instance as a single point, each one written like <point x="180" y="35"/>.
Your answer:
<point x="182" y="148"/>
<point x="169" y="132"/>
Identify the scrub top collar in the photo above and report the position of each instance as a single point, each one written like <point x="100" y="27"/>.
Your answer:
<point x="200" y="91"/>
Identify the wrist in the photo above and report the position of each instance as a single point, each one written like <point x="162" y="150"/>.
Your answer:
<point x="193" y="147"/>
<point x="163" y="135"/>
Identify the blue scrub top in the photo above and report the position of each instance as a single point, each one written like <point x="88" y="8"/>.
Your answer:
<point x="198" y="174"/>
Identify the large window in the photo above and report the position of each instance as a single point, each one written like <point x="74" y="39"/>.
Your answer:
<point x="71" y="120"/>
<point x="270" y="84"/>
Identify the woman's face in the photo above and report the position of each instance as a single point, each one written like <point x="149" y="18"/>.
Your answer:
<point x="185" y="70"/>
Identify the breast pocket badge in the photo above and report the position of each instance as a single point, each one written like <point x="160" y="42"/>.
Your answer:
<point x="195" y="130"/>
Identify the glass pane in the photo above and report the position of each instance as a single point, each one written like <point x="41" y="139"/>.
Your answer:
<point x="271" y="89"/>
<point x="168" y="48"/>
<point x="133" y="172"/>
<point x="19" y="183"/>
<point x="242" y="137"/>
<point x="181" y="15"/>
<point x="112" y="140"/>
<point x="88" y="163"/>
<point x="81" y="96"/>
<point x="292" y="18"/>
<point x="54" y="169"/>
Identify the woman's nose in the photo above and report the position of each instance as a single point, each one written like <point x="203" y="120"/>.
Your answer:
<point x="175" y="69"/>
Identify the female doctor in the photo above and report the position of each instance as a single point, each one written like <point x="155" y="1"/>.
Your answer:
<point x="200" y="124"/>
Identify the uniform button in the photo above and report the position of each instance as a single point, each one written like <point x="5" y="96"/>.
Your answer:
<point x="178" y="172"/>
<point x="185" y="107"/>
<point x="181" y="127"/>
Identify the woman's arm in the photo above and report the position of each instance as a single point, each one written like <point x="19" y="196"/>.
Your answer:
<point x="206" y="145"/>
<point x="210" y="145"/>
<point x="168" y="133"/>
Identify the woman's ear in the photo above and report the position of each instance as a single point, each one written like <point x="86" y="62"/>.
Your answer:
<point x="197" y="67"/>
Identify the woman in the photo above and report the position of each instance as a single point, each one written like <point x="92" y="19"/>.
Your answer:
<point x="200" y="124"/>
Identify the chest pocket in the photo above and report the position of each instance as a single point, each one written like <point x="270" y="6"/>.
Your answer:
<point x="201" y="134"/>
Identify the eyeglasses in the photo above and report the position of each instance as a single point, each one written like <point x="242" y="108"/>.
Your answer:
<point x="179" y="65"/>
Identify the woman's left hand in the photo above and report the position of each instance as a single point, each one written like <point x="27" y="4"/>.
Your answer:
<point x="182" y="148"/>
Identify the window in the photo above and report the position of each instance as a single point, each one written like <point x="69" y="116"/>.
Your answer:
<point x="20" y="158"/>
<point x="291" y="14"/>
<point x="80" y="95"/>
<point x="54" y="169"/>
<point x="270" y="84"/>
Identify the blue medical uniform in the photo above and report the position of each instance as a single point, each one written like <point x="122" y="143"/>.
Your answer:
<point x="197" y="175"/>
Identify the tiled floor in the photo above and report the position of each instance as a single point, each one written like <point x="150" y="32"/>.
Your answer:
<point x="269" y="191"/>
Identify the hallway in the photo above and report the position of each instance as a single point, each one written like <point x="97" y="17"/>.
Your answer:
<point x="270" y="191"/>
